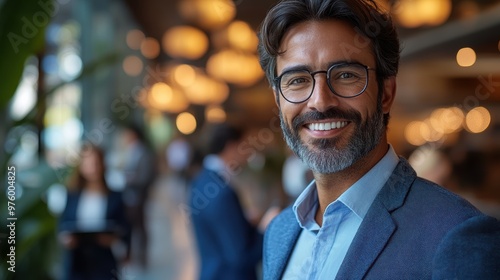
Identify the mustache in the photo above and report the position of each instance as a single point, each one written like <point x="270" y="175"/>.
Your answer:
<point x="332" y="113"/>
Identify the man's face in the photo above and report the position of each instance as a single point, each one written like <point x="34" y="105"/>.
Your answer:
<point x="328" y="132"/>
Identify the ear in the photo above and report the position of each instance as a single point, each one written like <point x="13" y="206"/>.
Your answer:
<point x="388" y="94"/>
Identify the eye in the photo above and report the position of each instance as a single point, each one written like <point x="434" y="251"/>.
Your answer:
<point x="298" y="80"/>
<point x="295" y="80"/>
<point x="346" y="75"/>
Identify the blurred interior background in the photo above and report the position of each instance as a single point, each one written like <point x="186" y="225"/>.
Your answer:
<point x="77" y="71"/>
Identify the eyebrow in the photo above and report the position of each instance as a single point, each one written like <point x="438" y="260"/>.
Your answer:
<point x="302" y="67"/>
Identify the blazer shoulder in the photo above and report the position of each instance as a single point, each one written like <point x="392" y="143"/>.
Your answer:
<point x="470" y="251"/>
<point x="431" y="193"/>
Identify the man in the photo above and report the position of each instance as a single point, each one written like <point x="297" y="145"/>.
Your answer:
<point x="332" y="65"/>
<point x="228" y="245"/>
<point x="140" y="171"/>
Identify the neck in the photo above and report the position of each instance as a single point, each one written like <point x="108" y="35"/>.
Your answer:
<point x="331" y="186"/>
<point x="95" y="187"/>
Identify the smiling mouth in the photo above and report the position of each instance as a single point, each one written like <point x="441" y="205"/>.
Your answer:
<point x="326" y="126"/>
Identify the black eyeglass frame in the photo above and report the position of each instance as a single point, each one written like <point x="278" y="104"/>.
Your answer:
<point x="277" y="80"/>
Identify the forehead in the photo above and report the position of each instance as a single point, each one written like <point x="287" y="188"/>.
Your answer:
<point x="318" y="44"/>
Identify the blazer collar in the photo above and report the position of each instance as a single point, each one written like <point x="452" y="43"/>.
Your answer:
<point x="378" y="226"/>
<point x="283" y="239"/>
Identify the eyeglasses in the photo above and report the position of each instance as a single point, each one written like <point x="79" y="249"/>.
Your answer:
<point x="344" y="79"/>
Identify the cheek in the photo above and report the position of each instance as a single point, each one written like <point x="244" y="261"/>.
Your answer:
<point x="288" y="111"/>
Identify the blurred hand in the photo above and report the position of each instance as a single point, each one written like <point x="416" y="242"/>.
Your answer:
<point x="68" y="240"/>
<point x="106" y="239"/>
<point x="268" y="217"/>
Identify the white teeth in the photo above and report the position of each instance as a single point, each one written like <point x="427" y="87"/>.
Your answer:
<point x="326" y="126"/>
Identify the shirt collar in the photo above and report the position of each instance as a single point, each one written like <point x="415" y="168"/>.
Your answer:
<point x="214" y="163"/>
<point x="358" y="198"/>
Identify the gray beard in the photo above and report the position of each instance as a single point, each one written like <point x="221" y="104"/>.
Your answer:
<point x="327" y="158"/>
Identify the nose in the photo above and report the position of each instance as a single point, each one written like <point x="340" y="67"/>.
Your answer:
<point x="322" y="97"/>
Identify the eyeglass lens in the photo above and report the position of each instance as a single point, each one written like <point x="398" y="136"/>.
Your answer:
<point x="346" y="80"/>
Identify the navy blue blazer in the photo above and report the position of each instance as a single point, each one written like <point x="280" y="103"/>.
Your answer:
<point x="228" y="245"/>
<point x="89" y="260"/>
<point x="115" y="215"/>
<point x="397" y="239"/>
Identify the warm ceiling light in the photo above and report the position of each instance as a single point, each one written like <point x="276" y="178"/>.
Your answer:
<point x="186" y="123"/>
<point x="241" y="36"/>
<point x="446" y="120"/>
<point x="406" y="13"/>
<point x="161" y="94"/>
<point x="215" y="114"/>
<point x="428" y="132"/>
<point x="150" y="48"/>
<point x="478" y="120"/>
<point x="164" y="97"/>
<point x="414" y="13"/>
<point x="132" y="65"/>
<point x="209" y="14"/>
<point x="466" y="57"/>
<point x="434" y="12"/>
<point x="184" y="75"/>
<point x="228" y="66"/>
<point x="185" y="42"/>
<point x="413" y="133"/>
<point x="134" y="39"/>
<point x="205" y="90"/>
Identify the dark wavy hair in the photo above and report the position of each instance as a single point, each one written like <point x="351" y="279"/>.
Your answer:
<point x="364" y="15"/>
<point x="77" y="182"/>
<point x="221" y="135"/>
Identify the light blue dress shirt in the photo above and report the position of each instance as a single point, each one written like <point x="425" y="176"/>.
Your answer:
<point x="320" y="251"/>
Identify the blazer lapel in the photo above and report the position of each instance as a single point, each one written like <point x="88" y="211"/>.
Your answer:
<point x="377" y="226"/>
<point x="285" y="233"/>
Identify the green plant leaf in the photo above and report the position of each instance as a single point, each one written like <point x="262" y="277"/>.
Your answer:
<point x="22" y="33"/>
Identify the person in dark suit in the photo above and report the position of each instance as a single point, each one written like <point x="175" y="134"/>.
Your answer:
<point x="332" y="65"/>
<point x="92" y="222"/>
<point x="140" y="171"/>
<point x="229" y="246"/>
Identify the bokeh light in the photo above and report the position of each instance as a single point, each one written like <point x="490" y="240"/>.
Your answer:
<point x="186" y="123"/>
<point x="215" y="114"/>
<point x="166" y="98"/>
<point x="413" y="133"/>
<point x="235" y="67"/>
<point x="446" y="120"/>
<point x="132" y="65"/>
<point x="185" y="42"/>
<point x="466" y="57"/>
<point x="70" y="64"/>
<point x="241" y="36"/>
<point x="477" y="120"/>
<point x="184" y="75"/>
<point x="161" y="93"/>
<point x="150" y="48"/>
<point x="208" y="14"/>
<point x="414" y="13"/>
<point x="134" y="39"/>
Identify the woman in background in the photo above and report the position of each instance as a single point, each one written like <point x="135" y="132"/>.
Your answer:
<point x="92" y="222"/>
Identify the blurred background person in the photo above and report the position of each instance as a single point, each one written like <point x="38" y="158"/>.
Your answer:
<point x="92" y="222"/>
<point x="229" y="246"/>
<point x="139" y="172"/>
